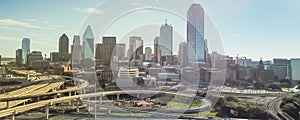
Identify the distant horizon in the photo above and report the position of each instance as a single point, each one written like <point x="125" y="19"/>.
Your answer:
<point x="253" y="29"/>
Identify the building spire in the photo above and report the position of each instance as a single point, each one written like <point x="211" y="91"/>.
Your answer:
<point x="166" y="21"/>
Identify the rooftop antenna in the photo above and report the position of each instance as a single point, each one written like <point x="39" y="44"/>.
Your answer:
<point x="166" y="21"/>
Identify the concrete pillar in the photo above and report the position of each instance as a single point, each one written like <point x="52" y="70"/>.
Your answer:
<point x="118" y="97"/>
<point x="74" y="92"/>
<point x="13" y="115"/>
<point x="73" y="103"/>
<point x="109" y="110"/>
<point x="70" y="93"/>
<point x="138" y="95"/>
<point x="100" y="99"/>
<point x="77" y="108"/>
<point x="89" y="109"/>
<point x="38" y="99"/>
<point x="7" y="104"/>
<point x="47" y="111"/>
<point x="70" y="102"/>
<point x="24" y="103"/>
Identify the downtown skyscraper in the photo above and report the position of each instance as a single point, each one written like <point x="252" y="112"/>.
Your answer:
<point x="25" y="48"/>
<point x="120" y="50"/>
<point x="76" y="50"/>
<point x="166" y="39"/>
<point x="135" y="48"/>
<point x="157" y="51"/>
<point x="63" y="48"/>
<point x="88" y="43"/>
<point x="195" y="34"/>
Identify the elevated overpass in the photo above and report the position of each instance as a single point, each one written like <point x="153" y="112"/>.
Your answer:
<point x="46" y="103"/>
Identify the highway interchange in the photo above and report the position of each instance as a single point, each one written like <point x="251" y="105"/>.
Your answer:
<point x="15" y="102"/>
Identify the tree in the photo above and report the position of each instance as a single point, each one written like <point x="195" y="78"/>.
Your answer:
<point x="274" y="87"/>
<point x="232" y="98"/>
<point x="259" y="85"/>
<point x="291" y="109"/>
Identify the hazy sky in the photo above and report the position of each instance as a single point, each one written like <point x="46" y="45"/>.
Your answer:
<point x="252" y="28"/>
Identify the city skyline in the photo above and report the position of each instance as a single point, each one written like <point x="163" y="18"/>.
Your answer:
<point x="156" y="59"/>
<point x="233" y="25"/>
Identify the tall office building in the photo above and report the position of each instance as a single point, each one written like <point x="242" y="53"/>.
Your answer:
<point x="19" y="57"/>
<point x="54" y="56"/>
<point x="195" y="34"/>
<point x="109" y="44"/>
<point x="183" y="54"/>
<point x="245" y="62"/>
<point x="120" y="51"/>
<point x="295" y="69"/>
<point x="34" y="56"/>
<point x="282" y="68"/>
<point x="76" y="50"/>
<point x="99" y="52"/>
<point x="88" y="43"/>
<point x="63" y="49"/>
<point x="166" y="39"/>
<point x="148" y="54"/>
<point x="157" y="51"/>
<point x="136" y="48"/>
<point x="25" y="48"/>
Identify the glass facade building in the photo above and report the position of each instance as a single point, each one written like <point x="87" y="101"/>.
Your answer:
<point x="166" y="40"/>
<point x="25" y="49"/>
<point x="195" y="34"/>
<point x="88" y="43"/>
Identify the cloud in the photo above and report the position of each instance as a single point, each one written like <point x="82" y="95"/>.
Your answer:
<point x="89" y="10"/>
<point x="137" y="4"/>
<point x="31" y="20"/>
<point x="8" y="38"/>
<point x="11" y="28"/>
<point x="10" y="22"/>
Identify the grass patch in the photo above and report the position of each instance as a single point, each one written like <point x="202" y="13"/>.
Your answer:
<point x="197" y="103"/>
<point x="177" y="106"/>
<point x="80" y="113"/>
<point x="126" y="114"/>
<point x="203" y="114"/>
<point x="165" y="98"/>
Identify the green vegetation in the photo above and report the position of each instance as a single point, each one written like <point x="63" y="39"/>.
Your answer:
<point x="273" y="87"/>
<point x="203" y="114"/>
<point x="81" y="113"/>
<point x="288" y="105"/>
<point x="165" y="98"/>
<point x="201" y="93"/>
<point x="177" y="106"/>
<point x="171" y="102"/>
<point x="197" y="103"/>
<point x="243" y="109"/>
<point x="127" y="114"/>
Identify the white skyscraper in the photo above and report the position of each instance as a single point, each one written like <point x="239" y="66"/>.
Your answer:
<point x="166" y="39"/>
